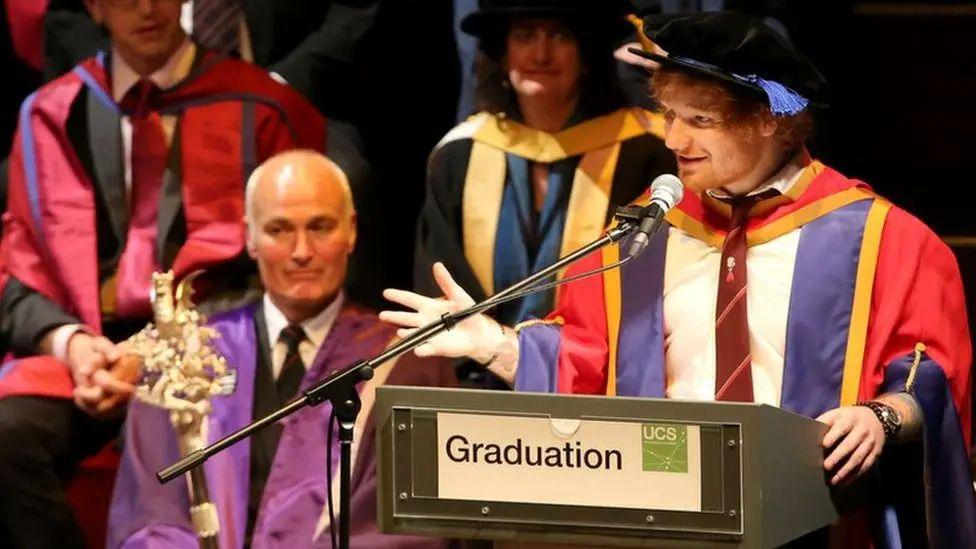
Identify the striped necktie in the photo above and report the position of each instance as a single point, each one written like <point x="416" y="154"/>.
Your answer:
<point x="293" y="369"/>
<point x="216" y="24"/>
<point x="733" y="358"/>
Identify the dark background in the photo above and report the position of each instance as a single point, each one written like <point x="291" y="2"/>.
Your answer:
<point x="906" y="116"/>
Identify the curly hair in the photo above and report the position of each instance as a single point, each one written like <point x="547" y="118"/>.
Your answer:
<point x="600" y="90"/>
<point x="739" y="107"/>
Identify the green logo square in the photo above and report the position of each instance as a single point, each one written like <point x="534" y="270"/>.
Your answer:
<point x="665" y="447"/>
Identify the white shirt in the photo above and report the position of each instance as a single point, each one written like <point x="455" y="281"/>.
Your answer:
<point x="782" y="181"/>
<point x="316" y="330"/>
<point x="691" y="278"/>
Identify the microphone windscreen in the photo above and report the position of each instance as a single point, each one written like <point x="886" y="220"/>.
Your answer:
<point x="667" y="190"/>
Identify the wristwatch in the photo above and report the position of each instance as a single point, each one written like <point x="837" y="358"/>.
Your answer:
<point x="889" y="418"/>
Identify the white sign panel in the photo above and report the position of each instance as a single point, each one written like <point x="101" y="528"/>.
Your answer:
<point x="572" y="462"/>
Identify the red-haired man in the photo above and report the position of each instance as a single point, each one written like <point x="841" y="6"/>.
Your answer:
<point x="779" y="281"/>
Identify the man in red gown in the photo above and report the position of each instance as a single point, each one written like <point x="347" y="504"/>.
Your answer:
<point x="133" y="162"/>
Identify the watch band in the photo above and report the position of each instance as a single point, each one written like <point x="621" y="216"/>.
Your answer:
<point x="885" y="415"/>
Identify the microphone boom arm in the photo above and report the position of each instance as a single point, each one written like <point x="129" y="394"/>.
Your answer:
<point x="340" y="387"/>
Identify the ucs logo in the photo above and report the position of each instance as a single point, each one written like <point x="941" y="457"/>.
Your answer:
<point x="665" y="447"/>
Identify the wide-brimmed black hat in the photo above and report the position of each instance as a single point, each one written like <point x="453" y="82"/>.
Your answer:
<point x="605" y="17"/>
<point x="741" y="49"/>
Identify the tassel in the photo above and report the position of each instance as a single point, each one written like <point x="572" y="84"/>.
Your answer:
<point x="782" y="100"/>
<point x="910" y="380"/>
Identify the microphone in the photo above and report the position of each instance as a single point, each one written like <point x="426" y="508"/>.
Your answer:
<point x="666" y="191"/>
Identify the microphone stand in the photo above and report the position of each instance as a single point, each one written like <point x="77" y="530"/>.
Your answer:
<point x="340" y="387"/>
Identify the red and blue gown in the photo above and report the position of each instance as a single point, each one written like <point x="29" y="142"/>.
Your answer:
<point x="230" y="117"/>
<point x="874" y="292"/>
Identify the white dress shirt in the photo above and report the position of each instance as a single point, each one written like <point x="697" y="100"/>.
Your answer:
<point x="316" y="330"/>
<point x="691" y="278"/>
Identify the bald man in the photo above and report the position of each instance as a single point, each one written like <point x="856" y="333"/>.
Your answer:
<point x="269" y="491"/>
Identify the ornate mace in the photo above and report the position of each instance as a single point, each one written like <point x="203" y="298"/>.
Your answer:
<point x="180" y="373"/>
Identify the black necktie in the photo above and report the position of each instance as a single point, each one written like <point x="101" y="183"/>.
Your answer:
<point x="293" y="369"/>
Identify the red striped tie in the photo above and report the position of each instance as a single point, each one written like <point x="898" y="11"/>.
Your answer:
<point x="148" y="160"/>
<point x="733" y="359"/>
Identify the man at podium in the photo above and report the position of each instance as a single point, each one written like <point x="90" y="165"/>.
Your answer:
<point x="778" y="280"/>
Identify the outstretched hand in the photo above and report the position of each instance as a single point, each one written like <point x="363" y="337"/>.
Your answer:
<point x="467" y="338"/>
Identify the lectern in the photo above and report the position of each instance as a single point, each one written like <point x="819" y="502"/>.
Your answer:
<point x="594" y="470"/>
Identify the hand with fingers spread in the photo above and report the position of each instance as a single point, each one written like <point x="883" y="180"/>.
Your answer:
<point x="471" y="338"/>
<point x="856" y="437"/>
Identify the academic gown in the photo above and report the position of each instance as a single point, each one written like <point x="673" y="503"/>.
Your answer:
<point x="875" y="295"/>
<point x="231" y="116"/>
<point x="477" y="216"/>
<point x="293" y="505"/>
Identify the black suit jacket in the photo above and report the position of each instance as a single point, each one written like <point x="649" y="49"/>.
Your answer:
<point x="314" y="45"/>
<point x="264" y="443"/>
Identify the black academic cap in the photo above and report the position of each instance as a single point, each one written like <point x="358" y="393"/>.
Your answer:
<point x="741" y="49"/>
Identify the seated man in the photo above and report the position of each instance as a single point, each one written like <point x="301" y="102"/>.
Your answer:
<point x="270" y="490"/>
<point x="133" y="162"/>
<point x="779" y="281"/>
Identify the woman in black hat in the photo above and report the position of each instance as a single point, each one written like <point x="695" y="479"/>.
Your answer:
<point x="551" y="152"/>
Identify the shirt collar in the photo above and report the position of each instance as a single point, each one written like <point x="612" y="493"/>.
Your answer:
<point x="316" y="328"/>
<point x="176" y="68"/>
<point x="782" y="181"/>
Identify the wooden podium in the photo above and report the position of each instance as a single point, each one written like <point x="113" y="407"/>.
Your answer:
<point x="541" y="468"/>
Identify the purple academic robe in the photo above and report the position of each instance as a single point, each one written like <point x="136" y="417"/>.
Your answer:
<point x="147" y="514"/>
